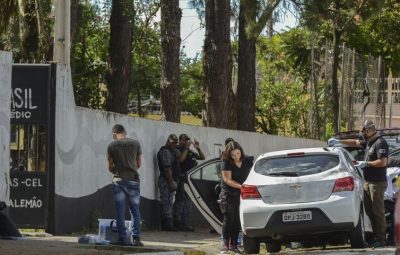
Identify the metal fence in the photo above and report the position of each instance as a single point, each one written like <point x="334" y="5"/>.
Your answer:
<point x="365" y="90"/>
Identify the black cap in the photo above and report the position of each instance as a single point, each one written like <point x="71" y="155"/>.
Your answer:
<point x="228" y="140"/>
<point x="368" y="124"/>
<point x="172" y="138"/>
<point x="184" y="137"/>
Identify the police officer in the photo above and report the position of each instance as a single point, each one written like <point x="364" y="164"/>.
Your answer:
<point x="188" y="159"/>
<point x="376" y="159"/>
<point x="168" y="164"/>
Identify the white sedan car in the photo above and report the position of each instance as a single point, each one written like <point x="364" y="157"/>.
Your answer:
<point x="302" y="195"/>
<point x="311" y="195"/>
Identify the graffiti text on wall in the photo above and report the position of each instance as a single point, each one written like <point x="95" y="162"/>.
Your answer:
<point x="22" y="103"/>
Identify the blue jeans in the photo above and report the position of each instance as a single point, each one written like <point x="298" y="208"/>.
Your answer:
<point x="130" y="190"/>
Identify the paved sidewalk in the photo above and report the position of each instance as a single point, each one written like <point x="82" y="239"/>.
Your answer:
<point x="156" y="242"/>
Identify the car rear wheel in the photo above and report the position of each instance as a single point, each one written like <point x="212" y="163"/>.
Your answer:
<point x="273" y="247"/>
<point x="251" y="245"/>
<point x="357" y="236"/>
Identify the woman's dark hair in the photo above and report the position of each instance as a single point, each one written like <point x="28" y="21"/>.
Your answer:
<point x="233" y="145"/>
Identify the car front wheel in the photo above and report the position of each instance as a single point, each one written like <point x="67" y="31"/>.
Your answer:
<point x="357" y="236"/>
<point x="251" y="245"/>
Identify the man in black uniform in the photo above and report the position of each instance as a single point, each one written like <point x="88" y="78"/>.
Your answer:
<point x="188" y="160"/>
<point x="376" y="159"/>
<point x="168" y="163"/>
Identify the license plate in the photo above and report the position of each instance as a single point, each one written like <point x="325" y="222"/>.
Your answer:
<point x="296" y="216"/>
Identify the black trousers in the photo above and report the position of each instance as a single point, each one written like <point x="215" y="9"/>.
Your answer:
<point x="230" y="211"/>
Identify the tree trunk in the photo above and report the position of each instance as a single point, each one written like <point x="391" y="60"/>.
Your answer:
<point x="170" y="65"/>
<point x="75" y="19"/>
<point x="246" y="92"/>
<point x="76" y="16"/>
<point x="120" y="55"/>
<point x="44" y="23"/>
<point x="335" y="92"/>
<point x="217" y="65"/>
<point x="28" y="31"/>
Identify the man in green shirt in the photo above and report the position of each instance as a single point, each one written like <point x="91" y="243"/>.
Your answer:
<point x="124" y="160"/>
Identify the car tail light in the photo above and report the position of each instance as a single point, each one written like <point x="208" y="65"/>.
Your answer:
<point x="355" y="162"/>
<point x="295" y="154"/>
<point x="249" y="192"/>
<point x="344" y="184"/>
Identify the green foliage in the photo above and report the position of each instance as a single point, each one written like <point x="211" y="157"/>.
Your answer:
<point x="296" y="45"/>
<point x="146" y="51"/>
<point x="89" y="56"/>
<point x="9" y="8"/>
<point x="282" y="100"/>
<point x="191" y="85"/>
<point x="340" y="14"/>
<point x="380" y="35"/>
<point x="25" y="29"/>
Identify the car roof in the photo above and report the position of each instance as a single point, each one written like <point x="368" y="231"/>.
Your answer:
<point x="300" y="150"/>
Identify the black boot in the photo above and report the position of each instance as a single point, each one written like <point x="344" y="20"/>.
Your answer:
<point x="136" y="241"/>
<point x="167" y="225"/>
<point x="185" y="227"/>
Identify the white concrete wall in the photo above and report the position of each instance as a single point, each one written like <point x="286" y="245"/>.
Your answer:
<point x="82" y="136"/>
<point x="5" y="103"/>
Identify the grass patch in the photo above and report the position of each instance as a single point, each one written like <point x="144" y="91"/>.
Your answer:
<point x="32" y="230"/>
<point x="185" y="119"/>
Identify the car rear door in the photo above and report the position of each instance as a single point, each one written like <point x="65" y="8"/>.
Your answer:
<point x="200" y="186"/>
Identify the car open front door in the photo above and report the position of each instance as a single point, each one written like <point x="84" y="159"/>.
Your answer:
<point x="200" y="186"/>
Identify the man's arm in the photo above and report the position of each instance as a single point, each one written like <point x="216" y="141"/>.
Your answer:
<point x="201" y="154"/>
<point x="381" y="162"/>
<point x="139" y="156"/>
<point x="381" y="150"/>
<point x="166" y="158"/>
<point x="351" y="142"/>
<point x="139" y="160"/>
<point x="110" y="165"/>
<point x="183" y="154"/>
<point x="168" y="173"/>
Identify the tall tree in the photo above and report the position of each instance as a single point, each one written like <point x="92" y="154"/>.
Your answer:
<point x="170" y="46"/>
<point x="253" y="16"/>
<point x="28" y="25"/>
<point x="89" y="53"/>
<point x="120" y="55"/>
<point x="339" y="15"/>
<point x="217" y="65"/>
<point x="380" y="35"/>
<point x="146" y="64"/>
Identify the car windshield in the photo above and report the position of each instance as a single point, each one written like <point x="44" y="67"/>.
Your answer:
<point x="296" y="166"/>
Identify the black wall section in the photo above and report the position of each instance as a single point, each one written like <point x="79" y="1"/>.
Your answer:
<point x="73" y="214"/>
